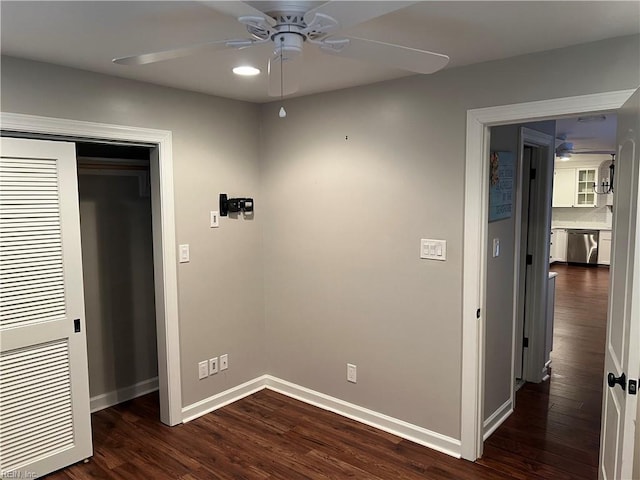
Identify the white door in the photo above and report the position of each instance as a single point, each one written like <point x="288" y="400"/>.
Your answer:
<point x="622" y="355"/>
<point x="45" y="423"/>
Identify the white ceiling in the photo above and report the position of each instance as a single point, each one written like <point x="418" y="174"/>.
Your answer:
<point x="88" y="34"/>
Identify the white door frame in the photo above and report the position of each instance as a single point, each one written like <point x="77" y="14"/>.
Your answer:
<point x="534" y="369"/>
<point x="164" y="235"/>
<point x="475" y="238"/>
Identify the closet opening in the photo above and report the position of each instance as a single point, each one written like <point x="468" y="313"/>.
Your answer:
<point x="118" y="271"/>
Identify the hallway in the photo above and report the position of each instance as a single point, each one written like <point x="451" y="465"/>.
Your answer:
<point x="555" y="428"/>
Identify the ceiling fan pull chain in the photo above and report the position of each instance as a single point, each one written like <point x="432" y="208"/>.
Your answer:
<point x="282" y="113"/>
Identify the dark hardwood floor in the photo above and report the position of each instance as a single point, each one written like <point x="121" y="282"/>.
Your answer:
<point x="552" y="434"/>
<point x="554" y="431"/>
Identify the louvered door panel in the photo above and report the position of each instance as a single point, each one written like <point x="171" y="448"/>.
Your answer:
<point x="44" y="391"/>
<point x="30" y="243"/>
<point x="41" y="421"/>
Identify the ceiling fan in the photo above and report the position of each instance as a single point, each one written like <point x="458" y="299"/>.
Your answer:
<point x="289" y="25"/>
<point x="566" y="149"/>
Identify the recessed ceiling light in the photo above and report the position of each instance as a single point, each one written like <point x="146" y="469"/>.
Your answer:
<point x="246" y="71"/>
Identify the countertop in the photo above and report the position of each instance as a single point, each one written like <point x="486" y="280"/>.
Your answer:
<point x="582" y="226"/>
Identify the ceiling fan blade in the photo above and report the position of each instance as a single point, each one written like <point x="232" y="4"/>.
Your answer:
<point x="181" y="52"/>
<point x="239" y="9"/>
<point x="593" y="152"/>
<point x="349" y="14"/>
<point x="387" y="54"/>
<point x="291" y="73"/>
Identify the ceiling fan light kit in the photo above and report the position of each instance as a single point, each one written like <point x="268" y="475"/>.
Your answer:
<point x="290" y="25"/>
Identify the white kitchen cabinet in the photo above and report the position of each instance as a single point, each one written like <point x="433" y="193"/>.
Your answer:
<point x="604" y="247"/>
<point x="564" y="187"/>
<point x="558" y="248"/>
<point x="585" y="195"/>
<point x="573" y="187"/>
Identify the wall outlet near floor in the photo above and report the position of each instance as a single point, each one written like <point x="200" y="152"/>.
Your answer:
<point x="203" y="370"/>
<point x="224" y="361"/>
<point x="352" y="373"/>
<point x="213" y="366"/>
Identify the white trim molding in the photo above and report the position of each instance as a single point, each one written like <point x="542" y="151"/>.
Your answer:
<point x="408" y="431"/>
<point x="109" y="399"/>
<point x="495" y="420"/>
<point x="475" y="237"/>
<point x="164" y="236"/>
<point x="208" y="405"/>
<point x="397" y="427"/>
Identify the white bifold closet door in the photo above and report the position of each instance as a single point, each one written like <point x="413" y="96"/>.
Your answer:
<point x="45" y="422"/>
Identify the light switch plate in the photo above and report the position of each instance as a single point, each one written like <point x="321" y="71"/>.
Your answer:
<point x="496" y="247"/>
<point x="184" y="253"/>
<point x="431" y="249"/>
<point x="214" y="219"/>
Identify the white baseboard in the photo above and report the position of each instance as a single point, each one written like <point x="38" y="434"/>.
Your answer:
<point x="495" y="420"/>
<point x="402" y="429"/>
<point x="221" y="399"/>
<point x="109" y="399"/>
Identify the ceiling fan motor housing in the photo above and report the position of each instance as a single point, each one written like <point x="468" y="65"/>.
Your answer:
<point x="289" y="44"/>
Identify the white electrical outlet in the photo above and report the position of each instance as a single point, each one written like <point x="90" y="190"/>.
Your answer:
<point x="203" y="370"/>
<point x="213" y="366"/>
<point x="224" y="361"/>
<point x="352" y="373"/>
<point x="215" y="219"/>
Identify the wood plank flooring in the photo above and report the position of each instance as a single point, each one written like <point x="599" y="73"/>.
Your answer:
<point x="552" y="434"/>
<point x="554" y="431"/>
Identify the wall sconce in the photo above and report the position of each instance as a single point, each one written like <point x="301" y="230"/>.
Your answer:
<point x="234" y="205"/>
<point x="607" y="186"/>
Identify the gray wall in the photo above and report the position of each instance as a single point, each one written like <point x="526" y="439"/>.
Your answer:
<point x="215" y="149"/>
<point x="117" y="266"/>
<point x="500" y="280"/>
<point x="344" y="218"/>
<point x="340" y="219"/>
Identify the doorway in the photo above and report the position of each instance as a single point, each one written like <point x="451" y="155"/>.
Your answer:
<point x="476" y="240"/>
<point x="117" y="263"/>
<point x="163" y="225"/>
<point x="555" y="425"/>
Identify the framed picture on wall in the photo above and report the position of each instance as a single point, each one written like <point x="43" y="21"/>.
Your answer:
<point x="501" y="177"/>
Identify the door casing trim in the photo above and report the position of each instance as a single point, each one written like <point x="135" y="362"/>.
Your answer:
<point x="164" y="233"/>
<point x="475" y="237"/>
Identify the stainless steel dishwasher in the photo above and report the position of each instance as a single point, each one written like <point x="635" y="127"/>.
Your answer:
<point x="582" y="246"/>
